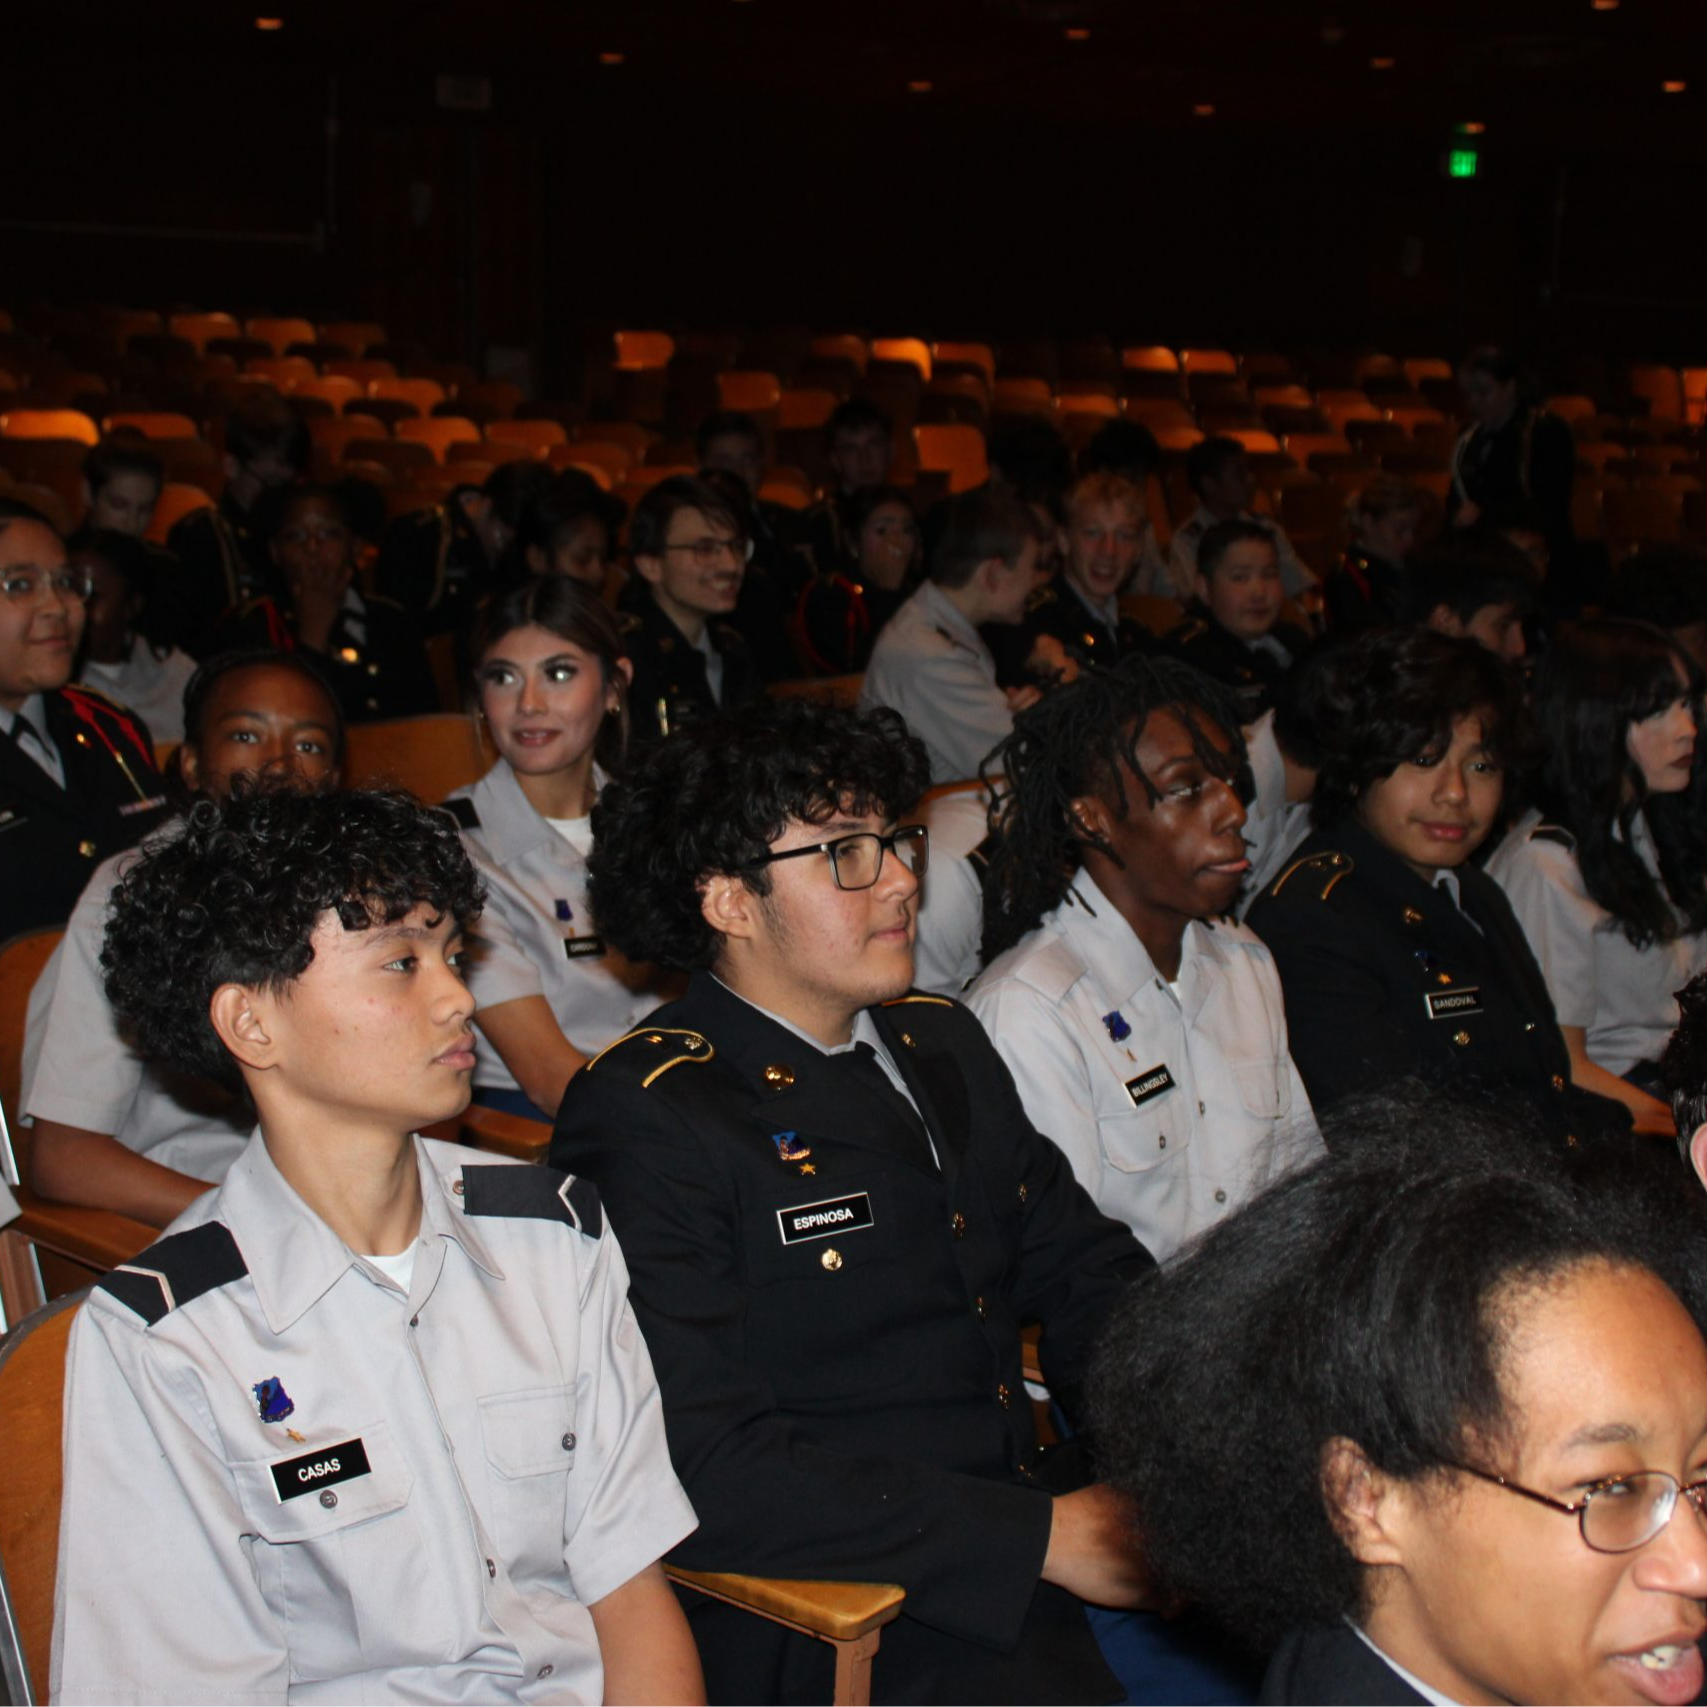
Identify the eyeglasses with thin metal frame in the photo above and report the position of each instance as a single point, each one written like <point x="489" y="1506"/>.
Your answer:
<point x="707" y="551"/>
<point x="24" y="586"/>
<point x="1619" y="1514"/>
<point x="856" y="861"/>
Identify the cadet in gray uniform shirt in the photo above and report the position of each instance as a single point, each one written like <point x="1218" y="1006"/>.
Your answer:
<point x="374" y="1420"/>
<point x="553" y="687"/>
<point x="1144" y="1027"/>
<point x="930" y="664"/>
<point x="111" y="1130"/>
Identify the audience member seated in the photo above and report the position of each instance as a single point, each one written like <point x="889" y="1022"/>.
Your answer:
<point x="948" y="940"/>
<point x="371" y="647"/>
<point x="224" y="553"/>
<point x="1220" y="473"/>
<point x="859" y="445"/>
<point x="552" y="686"/>
<point x="764" y="610"/>
<point x="1073" y="623"/>
<point x="1144" y="1029"/>
<point x="1516" y="453"/>
<point x="1233" y="631"/>
<point x="1029" y="460"/>
<point x="118" y="659"/>
<point x="689" y="556"/>
<point x="374" y="1419"/>
<point x="1485" y="595"/>
<point x="122" y="482"/>
<point x="1665" y="585"/>
<point x="1476" y="1386"/>
<point x="570" y="528"/>
<point x="837" y="1218"/>
<point x="77" y="776"/>
<point x="731" y="441"/>
<point x="112" y="1130"/>
<point x="1383" y="520"/>
<point x="1398" y="957"/>
<point x="439" y="564"/>
<point x="930" y="663"/>
<point x="842" y="611"/>
<point x="1128" y="450"/>
<point x="1607" y="872"/>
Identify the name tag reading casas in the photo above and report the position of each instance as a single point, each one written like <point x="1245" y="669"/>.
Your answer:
<point x="819" y="1220"/>
<point x="1150" y="1084"/>
<point x="1453" y="1004"/>
<point x="324" y="1468"/>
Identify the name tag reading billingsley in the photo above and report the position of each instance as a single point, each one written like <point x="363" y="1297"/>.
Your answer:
<point x="1149" y="1085"/>
<point x="323" y="1469"/>
<point x="1449" y="1004"/>
<point x="820" y="1220"/>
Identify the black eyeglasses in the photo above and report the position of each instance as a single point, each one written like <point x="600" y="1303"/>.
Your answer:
<point x="1617" y="1515"/>
<point x="707" y="553"/>
<point x="856" y="861"/>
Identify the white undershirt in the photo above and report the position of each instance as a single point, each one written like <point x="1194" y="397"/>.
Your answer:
<point x="400" y="1268"/>
<point x="577" y="832"/>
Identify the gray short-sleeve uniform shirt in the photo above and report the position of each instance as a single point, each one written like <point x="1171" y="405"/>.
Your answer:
<point x="537" y="936"/>
<point x="286" y="1481"/>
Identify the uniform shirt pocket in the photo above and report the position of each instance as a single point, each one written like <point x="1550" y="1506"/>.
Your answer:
<point x="1140" y="1140"/>
<point x="1264" y="1085"/>
<point x="530" y="1444"/>
<point x="332" y="1562"/>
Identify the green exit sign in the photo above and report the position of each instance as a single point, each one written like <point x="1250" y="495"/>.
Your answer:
<point x="1462" y="163"/>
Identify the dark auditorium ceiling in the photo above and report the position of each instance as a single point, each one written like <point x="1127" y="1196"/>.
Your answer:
<point x="1560" y="74"/>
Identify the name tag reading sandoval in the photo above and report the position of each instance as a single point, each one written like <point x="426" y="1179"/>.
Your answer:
<point x="1150" y="1084"/>
<point x="820" y="1220"/>
<point x="323" y="1469"/>
<point x="1449" y="1004"/>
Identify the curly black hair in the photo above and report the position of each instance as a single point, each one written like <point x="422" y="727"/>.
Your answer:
<point x="1683" y="1064"/>
<point x="1595" y="681"/>
<point x="234" y="899"/>
<point x="711" y="799"/>
<point x="1391" y="696"/>
<point x="1082" y="739"/>
<point x="1366" y="1298"/>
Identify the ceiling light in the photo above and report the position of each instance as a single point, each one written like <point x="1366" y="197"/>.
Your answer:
<point x="919" y="86"/>
<point x="1604" y="5"/>
<point x="1382" y="63"/>
<point x="1470" y="127"/>
<point x="612" y="58"/>
<point x="1204" y="110"/>
<point x="1673" y="86"/>
<point x="1077" y="34"/>
<point x="269" y="23"/>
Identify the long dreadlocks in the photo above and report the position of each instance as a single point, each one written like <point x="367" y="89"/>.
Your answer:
<point x="1078" y="740"/>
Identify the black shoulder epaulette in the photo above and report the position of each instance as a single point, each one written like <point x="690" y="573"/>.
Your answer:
<point x="1321" y="872"/>
<point x="627" y="622"/>
<point x="1554" y="833"/>
<point x="461" y="808"/>
<point x="1188" y="631"/>
<point x="180" y="1267"/>
<point x="653" y="1050"/>
<point x="533" y="1193"/>
<point x="917" y="996"/>
<point x="1040" y="599"/>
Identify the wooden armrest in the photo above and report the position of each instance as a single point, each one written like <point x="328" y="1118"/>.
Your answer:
<point x="96" y="1238"/>
<point x="508" y="1134"/>
<point x="837" y="1612"/>
<point x="1030" y="1365"/>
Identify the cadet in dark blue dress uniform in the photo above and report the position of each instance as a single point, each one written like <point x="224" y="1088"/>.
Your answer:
<point x="1397" y="956"/>
<point x="77" y="776"/>
<point x="837" y="1217"/>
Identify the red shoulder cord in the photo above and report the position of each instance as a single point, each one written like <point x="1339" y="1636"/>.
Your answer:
<point x="87" y="711"/>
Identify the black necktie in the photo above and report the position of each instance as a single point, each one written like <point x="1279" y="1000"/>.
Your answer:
<point x="902" y="1131"/>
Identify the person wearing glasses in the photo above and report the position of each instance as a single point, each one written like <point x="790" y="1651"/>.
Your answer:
<point x="837" y="1216"/>
<point x="77" y="776"/>
<point x="689" y="558"/>
<point x="1428" y="1422"/>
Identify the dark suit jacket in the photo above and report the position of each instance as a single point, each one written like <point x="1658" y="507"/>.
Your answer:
<point x="1330" y="1665"/>
<point x="1385" y="977"/>
<point x="670" y="687"/>
<point x="52" y="838"/>
<point x="850" y="1406"/>
<point x="1250" y="672"/>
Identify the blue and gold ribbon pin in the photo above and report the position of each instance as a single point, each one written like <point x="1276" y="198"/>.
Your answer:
<point x="273" y="1402"/>
<point x="789" y="1151"/>
<point x="1118" y="1029"/>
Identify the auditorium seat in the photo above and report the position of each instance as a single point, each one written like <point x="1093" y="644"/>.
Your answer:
<point x="489" y="451"/>
<point x="338" y="389"/>
<point x="1303" y="448"/>
<point x="1267" y="367"/>
<point x="197" y="329"/>
<point x="422" y="393"/>
<point x="753" y="392"/>
<point x="1641" y="515"/>
<point x="357" y="335"/>
<point x="569" y="456"/>
<point x="644" y="349"/>
<point x="1344" y="404"/>
<point x="1149" y="358"/>
<point x="980" y="356"/>
<point x="912" y="350"/>
<point x="537" y="437"/>
<point x="496" y="399"/>
<point x="789" y="487"/>
<point x="1694" y="394"/>
<point x="1660" y="386"/>
<point x="364" y="370"/>
<point x="1172" y="438"/>
<point x="956" y="449"/>
<point x="1207" y="362"/>
<point x="192" y="461"/>
<point x="802" y="407"/>
<point x="439" y="432"/>
<point x="399" y="456"/>
<point x="280" y="331"/>
<point x="49" y="424"/>
<point x="177" y="500"/>
<point x="152" y="423"/>
<point x="330" y="434"/>
<point x="614" y="458"/>
<point x="429" y="755"/>
<point x="842" y="347"/>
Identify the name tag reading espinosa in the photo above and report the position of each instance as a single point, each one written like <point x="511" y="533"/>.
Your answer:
<point x="820" y="1220"/>
<point x="323" y="1469"/>
<point x="1450" y="1004"/>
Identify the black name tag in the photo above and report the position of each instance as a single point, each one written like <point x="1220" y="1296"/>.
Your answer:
<point x="576" y="947"/>
<point x="1450" y="1004"/>
<point x="323" y="1469"/>
<point x="820" y="1220"/>
<point x="1150" y="1084"/>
